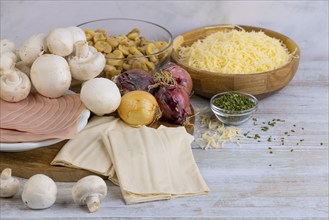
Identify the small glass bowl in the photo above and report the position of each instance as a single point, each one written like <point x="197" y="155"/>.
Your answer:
<point x="233" y="118"/>
<point x="148" y="30"/>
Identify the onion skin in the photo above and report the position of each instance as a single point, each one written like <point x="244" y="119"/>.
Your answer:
<point x="139" y="108"/>
<point x="181" y="76"/>
<point x="174" y="103"/>
<point x="135" y="79"/>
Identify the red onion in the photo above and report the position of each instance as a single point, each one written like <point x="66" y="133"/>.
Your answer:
<point x="135" y="79"/>
<point x="174" y="103"/>
<point x="175" y="75"/>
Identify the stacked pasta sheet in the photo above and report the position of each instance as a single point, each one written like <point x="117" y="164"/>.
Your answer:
<point x="148" y="164"/>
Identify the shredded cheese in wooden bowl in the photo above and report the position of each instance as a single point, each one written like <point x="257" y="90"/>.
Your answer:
<point x="236" y="51"/>
<point x="247" y="59"/>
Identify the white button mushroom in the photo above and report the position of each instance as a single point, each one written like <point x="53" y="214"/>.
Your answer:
<point x="100" y="95"/>
<point x="77" y="33"/>
<point x="9" y="185"/>
<point x="23" y="67"/>
<point x="89" y="190"/>
<point x="15" y="85"/>
<point x="60" y="42"/>
<point x="7" y="61"/>
<point x="32" y="48"/>
<point x="39" y="192"/>
<point x="7" y="46"/>
<point x="50" y="75"/>
<point x="87" y="63"/>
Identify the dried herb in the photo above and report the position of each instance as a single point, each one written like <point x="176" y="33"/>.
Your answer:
<point x="271" y="123"/>
<point x="233" y="102"/>
<point x="264" y="128"/>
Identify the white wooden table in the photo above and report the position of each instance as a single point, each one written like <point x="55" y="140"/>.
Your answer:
<point x="255" y="180"/>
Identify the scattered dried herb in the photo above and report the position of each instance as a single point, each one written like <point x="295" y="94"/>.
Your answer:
<point x="321" y="143"/>
<point x="269" y="139"/>
<point x="264" y="128"/>
<point x="271" y="123"/>
<point x="291" y="150"/>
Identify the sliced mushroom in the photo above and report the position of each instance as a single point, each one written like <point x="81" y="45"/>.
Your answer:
<point x="89" y="190"/>
<point x="87" y="63"/>
<point x="9" y="185"/>
<point x="39" y="192"/>
<point x="15" y="85"/>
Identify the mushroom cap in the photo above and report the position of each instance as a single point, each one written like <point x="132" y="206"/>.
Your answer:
<point x="7" y="46"/>
<point x="15" y="85"/>
<point x="89" y="186"/>
<point x="7" y="61"/>
<point x="87" y="67"/>
<point x="32" y="48"/>
<point x="77" y="33"/>
<point x="100" y="95"/>
<point x="60" y="42"/>
<point x="9" y="185"/>
<point x="39" y="192"/>
<point x="50" y="74"/>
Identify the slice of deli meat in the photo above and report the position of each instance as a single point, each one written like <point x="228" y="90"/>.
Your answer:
<point x="46" y="119"/>
<point x="14" y="136"/>
<point x="30" y="114"/>
<point x="9" y="110"/>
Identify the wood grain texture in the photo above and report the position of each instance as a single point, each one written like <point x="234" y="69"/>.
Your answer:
<point x="207" y="83"/>
<point x="246" y="181"/>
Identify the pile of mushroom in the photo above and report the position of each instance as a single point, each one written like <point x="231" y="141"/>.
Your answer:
<point x="51" y="61"/>
<point x="15" y="85"/>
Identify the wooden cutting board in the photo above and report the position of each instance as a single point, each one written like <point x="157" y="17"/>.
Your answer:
<point x="28" y="163"/>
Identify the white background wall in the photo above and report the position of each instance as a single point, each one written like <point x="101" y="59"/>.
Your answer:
<point x="304" y="21"/>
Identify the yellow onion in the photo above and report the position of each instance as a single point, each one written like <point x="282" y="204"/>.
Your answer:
<point x="139" y="108"/>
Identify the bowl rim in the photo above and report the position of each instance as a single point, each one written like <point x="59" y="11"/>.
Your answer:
<point x="170" y="43"/>
<point x="175" y="56"/>
<point x="217" y="110"/>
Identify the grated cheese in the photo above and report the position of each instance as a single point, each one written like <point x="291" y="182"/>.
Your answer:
<point x="236" y="52"/>
<point x="216" y="134"/>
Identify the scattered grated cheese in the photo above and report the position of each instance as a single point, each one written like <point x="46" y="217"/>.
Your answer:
<point x="216" y="134"/>
<point x="236" y="51"/>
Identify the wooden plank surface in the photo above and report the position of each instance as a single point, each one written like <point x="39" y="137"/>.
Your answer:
<point x="246" y="181"/>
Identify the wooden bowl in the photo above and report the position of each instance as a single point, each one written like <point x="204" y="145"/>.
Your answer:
<point x="207" y="84"/>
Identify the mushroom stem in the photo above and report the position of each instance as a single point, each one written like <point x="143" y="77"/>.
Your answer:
<point x="13" y="78"/>
<point x="93" y="203"/>
<point x="81" y="49"/>
<point x="5" y="174"/>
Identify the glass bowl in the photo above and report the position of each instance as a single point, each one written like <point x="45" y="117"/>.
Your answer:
<point x="135" y="44"/>
<point x="230" y="117"/>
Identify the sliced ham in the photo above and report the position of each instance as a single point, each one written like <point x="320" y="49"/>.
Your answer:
<point x="38" y="118"/>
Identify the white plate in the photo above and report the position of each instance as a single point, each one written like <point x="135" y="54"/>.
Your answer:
<point x="17" y="147"/>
